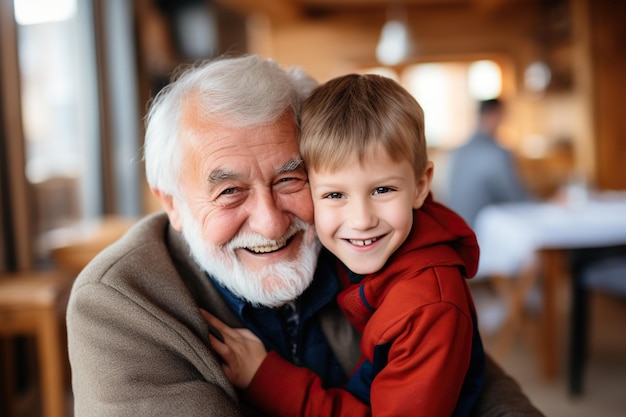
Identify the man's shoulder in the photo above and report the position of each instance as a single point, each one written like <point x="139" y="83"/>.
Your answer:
<point x="150" y="266"/>
<point x="143" y="247"/>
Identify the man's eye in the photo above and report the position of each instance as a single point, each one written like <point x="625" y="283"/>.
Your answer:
<point x="229" y="191"/>
<point x="230" y="197"/>
<point x="333" y="195"/>
<point x="288" y="181"/>
<point x="289" y="185"/>
<point x="382" y="190"/>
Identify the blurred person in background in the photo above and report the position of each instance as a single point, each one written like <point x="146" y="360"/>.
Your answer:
<point x="482" y="172"/>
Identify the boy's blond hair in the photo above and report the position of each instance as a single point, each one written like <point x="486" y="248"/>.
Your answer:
<point x="352" y="114"/>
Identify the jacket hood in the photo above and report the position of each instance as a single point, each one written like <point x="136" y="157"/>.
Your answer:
<point x="439" y="237"/>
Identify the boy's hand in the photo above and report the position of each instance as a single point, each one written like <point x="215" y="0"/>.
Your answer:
<point x="241" y="351"/>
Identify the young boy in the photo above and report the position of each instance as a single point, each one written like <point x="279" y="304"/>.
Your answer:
<point x="404" y="259"/>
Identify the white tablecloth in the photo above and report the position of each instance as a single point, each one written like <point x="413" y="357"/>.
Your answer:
<point x="510" y="234"/>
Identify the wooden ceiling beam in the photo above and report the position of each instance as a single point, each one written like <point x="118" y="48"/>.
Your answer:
<point x="277" y="10"/>
<point x="490" y="6"/>
<point x="291" y="10"/>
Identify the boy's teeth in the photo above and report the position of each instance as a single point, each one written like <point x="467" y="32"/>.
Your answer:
<point x="363" y="242"/>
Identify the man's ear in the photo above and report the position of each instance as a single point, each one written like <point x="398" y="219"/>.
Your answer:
<point x="170" y="205"/>
<point x="422" y="187"/>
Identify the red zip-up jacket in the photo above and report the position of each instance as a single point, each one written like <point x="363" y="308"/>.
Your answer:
<point x="416" y="320"/>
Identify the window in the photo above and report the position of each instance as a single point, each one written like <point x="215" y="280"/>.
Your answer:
<point x="59" y="110"/>
<point x="447" y="92"/>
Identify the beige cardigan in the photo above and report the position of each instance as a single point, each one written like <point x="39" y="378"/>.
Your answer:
<point x="138" y="344"/>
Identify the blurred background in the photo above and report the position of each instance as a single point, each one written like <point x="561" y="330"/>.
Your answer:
<point x="76" y="77"/>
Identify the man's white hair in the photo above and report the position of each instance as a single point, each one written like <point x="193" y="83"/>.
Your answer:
<point x="242" y="92"/>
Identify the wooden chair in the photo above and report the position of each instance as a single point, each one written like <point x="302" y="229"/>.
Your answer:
<point x="33" y="303"/>
<point x="514" y="292"/>
<point x="510" y="293"/>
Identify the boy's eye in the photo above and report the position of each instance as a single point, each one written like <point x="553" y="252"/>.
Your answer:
<point x="381" y="190"/>
<point x="333" y="195"/>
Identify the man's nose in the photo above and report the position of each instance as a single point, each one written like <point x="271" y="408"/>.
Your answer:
<point x="362" y="215"/>
<point x="266" y="217"/>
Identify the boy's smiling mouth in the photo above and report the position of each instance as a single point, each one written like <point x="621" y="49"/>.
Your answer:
<point x="363" y="242"/>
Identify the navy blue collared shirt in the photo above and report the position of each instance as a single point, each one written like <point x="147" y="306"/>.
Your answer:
<point x="308" y="346"/>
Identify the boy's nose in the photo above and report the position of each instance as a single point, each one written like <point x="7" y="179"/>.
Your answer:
<point x="362" y="216"/>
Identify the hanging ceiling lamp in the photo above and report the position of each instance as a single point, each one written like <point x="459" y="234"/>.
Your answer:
<point x="395" y="42"/>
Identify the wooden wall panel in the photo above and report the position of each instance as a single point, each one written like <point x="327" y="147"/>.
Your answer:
<point x="16" y="225"/>
<point x="608" y="41"/>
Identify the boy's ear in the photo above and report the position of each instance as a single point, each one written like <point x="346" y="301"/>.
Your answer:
<point x="422" y="187"/>
<point x="170" y="205"/>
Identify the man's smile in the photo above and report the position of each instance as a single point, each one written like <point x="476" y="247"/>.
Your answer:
<point x="269" y="248"/>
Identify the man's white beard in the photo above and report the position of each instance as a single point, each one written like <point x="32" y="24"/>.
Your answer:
<point x="288" y="279"/>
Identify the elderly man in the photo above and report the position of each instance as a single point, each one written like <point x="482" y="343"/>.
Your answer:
<point x="236" y="239"/>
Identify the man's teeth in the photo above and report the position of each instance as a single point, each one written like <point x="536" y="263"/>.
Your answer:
<point x="267" y="248"/>
<point x="363" y="242"/>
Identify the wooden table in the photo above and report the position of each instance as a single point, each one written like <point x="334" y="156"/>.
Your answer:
<point x="511" y="234"/>
<point x="33" y="303"/>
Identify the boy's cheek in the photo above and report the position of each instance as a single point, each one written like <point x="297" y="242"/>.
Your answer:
<point x="325" y="223"/>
